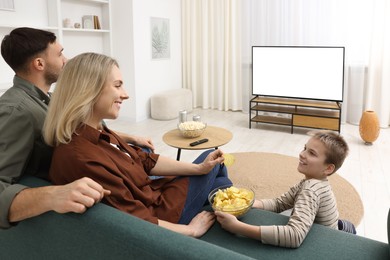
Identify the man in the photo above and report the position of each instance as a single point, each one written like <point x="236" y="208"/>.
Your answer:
<point x="37" y="59"/>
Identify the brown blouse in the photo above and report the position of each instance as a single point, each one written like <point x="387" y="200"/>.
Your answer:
<point x="123" y="169"/>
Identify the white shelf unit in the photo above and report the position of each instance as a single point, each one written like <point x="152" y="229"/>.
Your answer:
<point x="74" y="40"/>
<point x="78" y="40"/>
<point x="49" y="15"/>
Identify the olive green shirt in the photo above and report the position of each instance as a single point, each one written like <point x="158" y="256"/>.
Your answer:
<point x="23" y="109"/>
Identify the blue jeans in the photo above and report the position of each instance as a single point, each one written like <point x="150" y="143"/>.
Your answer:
<point x="200" y="187"/>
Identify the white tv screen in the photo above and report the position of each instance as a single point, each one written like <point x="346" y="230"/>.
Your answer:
<point x="298" y="72"/>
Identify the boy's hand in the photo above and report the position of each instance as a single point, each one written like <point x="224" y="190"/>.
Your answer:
<point x="228" y="222"/>
<point x="233" y="225"/>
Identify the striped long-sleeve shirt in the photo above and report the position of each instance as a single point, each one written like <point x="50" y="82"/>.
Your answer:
<point x="312" y="201"/>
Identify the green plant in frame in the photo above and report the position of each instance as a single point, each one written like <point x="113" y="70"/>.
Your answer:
<point x="160" y="38"/>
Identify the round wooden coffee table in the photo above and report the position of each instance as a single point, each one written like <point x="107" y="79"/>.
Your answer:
<point x="216" y="136"/>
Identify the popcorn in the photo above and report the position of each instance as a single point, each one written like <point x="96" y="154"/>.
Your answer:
<point x="191" y="125"/>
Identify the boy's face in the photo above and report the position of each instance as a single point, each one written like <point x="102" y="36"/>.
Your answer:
<point x="312" y="160"/>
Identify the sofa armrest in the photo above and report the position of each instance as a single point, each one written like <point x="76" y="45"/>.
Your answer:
<point x="100" y="233"/>
<point x="388" y="229"/>
<point x="320" y="243"/>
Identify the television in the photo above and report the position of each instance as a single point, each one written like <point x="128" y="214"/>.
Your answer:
<point x="303" y="72"/>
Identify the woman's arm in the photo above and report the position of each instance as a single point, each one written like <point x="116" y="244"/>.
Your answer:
<point x="166" y="166"/>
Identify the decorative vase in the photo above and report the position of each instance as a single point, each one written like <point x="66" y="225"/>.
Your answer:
<point x="369" y="126"/>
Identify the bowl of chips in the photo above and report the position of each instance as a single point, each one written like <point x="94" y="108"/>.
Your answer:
<point x="233" y="200"/>
<point x="191" y="129"/>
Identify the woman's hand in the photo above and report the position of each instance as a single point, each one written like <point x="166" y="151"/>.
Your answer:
<point x="212" y="159"/>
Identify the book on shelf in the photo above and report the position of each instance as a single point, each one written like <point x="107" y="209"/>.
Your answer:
<point x="91" y="22"/>
<point x="96" y="22"/>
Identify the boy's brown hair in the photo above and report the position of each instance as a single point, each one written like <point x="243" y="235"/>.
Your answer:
<point x="336" y="147"/>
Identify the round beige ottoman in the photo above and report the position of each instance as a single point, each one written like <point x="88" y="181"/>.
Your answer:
<point x="167" y="104"/>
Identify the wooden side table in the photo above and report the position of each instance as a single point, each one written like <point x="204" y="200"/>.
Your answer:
<point x="217" y="137"/>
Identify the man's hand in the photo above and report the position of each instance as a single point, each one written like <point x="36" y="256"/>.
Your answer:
<point x="77" y="196"/>
<point x="143" y="142"/>
<point x="73" y="197"/>
<point x="137" y="140"/>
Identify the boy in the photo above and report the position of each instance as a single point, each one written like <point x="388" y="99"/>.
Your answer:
<point x="311" y="200"/>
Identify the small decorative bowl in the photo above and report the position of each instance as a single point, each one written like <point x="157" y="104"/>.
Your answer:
<point x="228" y="205"/>
<point x="191" y="129"/>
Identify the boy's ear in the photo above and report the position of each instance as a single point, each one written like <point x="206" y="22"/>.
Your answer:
<point x="330" y="169"/>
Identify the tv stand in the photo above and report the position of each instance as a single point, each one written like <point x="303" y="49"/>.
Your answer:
<point x="295" y="112"/>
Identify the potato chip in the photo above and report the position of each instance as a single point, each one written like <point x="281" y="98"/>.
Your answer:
<point x="229" y="159"/>
<point x="232" y="198"/>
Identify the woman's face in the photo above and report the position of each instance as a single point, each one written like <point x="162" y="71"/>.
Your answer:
<point x="111" y="98"/>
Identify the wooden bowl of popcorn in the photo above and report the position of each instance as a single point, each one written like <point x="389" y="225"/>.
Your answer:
<point x="192" y="129"/>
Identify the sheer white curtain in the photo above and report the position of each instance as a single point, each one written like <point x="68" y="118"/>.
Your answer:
<point x="211" y="51"/>
<point x="378" y="91"/>
<point x="362" y="26"/>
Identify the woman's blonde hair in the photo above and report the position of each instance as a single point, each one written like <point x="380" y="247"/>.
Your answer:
<point x="77" y="90"/>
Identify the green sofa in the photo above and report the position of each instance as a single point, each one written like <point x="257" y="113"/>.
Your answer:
<point x="106" y="233"/>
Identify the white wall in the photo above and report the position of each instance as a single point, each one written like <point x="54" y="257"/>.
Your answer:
<point x="152" y="76"/>
<point x="23" y="16"/>
<point x="123" y="52"/>
<point x="131" y="47"/>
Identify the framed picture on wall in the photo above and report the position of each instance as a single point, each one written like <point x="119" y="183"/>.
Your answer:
<point x="7" y="5"/>
<point x="160" y="38"/>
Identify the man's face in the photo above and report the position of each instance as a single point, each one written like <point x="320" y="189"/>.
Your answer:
<point x="54" y="61"/>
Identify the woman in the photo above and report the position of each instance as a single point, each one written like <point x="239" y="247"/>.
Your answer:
<point x="90" y="89"/>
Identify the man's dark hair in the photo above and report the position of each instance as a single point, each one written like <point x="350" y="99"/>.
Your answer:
<point x="22" y="44"/>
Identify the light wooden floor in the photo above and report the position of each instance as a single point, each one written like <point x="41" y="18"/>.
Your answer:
<point x="367" y="168"/>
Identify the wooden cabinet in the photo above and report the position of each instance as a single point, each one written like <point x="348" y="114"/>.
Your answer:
<point x="295" y="113"/>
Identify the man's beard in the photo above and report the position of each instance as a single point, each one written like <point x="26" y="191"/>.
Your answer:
<point x="51" y="77"/>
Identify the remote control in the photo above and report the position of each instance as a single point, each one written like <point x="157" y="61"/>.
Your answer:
<point x="199" y="142"/>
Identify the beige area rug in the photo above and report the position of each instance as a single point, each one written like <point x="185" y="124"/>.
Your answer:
<point x="270" y="175"/>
